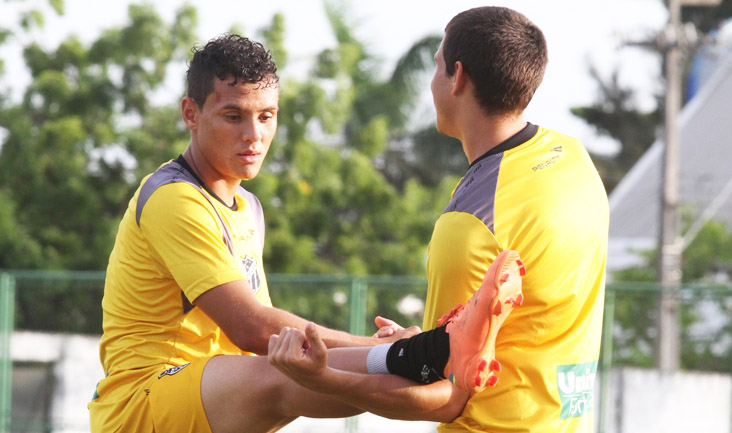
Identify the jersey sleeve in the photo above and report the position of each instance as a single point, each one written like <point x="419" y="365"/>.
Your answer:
<point x="185" y="236"/>
<point x="460" y="252"/>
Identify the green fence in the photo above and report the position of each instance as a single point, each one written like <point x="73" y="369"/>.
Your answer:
<point x="69" y="302"/>
<point x="7" y="301"/>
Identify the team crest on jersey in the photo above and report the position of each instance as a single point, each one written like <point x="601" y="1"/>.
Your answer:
<point x="249" y="265"/>
<point x="172" y="371"/>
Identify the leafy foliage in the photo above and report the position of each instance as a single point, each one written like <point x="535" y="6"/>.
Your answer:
<point x="85" y="121"/>
<point x="88" y="129"/>
<point x="343" y="188"/>
<point x="329" y="206"/>
<point x="705" y="317"/>
<point x="615" y="115"/>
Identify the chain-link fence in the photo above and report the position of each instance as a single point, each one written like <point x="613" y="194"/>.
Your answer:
<point x="68" y="303"/>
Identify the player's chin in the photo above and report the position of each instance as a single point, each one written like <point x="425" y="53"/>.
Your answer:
<point x="249" y="172"/>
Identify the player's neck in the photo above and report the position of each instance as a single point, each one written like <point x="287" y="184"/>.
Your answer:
<point x="221" y="187"/>
<point x="484" y="133"/>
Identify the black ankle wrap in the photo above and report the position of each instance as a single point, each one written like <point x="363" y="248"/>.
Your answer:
<point x="421" y="358"/>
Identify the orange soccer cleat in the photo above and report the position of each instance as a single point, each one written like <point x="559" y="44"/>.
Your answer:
<point x="473" y="328"/>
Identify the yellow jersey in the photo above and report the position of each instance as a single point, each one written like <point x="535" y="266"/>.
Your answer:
<point x="537" y="193"/>
<point x="175" y="241"/>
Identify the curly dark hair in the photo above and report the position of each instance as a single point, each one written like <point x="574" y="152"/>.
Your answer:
<point x="502" y="52"/>
<point x="229" y="56"/>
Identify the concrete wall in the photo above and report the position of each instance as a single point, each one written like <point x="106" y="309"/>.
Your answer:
<point x="646" y="401"/>
<point x="76" y="368"/>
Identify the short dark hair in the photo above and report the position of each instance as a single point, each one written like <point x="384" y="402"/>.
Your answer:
<point x="502" y="52"/>
<point x="229" y="55"/>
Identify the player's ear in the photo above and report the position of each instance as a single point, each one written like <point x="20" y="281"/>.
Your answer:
<point x="459" y="78"/>
<point x="190" y="111"/>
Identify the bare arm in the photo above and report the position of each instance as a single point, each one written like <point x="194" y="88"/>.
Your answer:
<point x="303" y="357"/>
<point x="248" y="323"/>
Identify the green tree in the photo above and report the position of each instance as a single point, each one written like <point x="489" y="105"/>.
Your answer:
<point x="332" y="199"/>
<point x="707" y="259"/>
<point x="341" y="188"/>
<point x="616" y="115"/>
<point x="85" y="130"/>
<point x="329" y="205"/>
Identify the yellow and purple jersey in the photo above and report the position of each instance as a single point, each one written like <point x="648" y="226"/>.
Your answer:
<point x="175" y="242"/>
<point x="537" y="193"/>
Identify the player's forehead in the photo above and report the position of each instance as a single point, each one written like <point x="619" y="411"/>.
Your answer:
<point x="230" y="92"/>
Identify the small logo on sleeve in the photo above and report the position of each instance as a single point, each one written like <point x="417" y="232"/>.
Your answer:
<point x="576" y="384"/>
<point x="249" y="266"/>
<point x="172" y="371"/>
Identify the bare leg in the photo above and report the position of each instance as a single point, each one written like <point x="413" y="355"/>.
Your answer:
<point x="245" y="394"/>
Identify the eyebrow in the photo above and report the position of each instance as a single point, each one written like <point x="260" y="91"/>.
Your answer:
<point x="239" y="108"/>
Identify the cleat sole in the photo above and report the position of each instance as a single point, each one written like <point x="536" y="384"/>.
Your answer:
<point x="493" y="381"/>
<point x="472" y="366"/>
<point x="495" y="366"/>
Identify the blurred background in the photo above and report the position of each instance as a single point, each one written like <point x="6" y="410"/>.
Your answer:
<point x="357" y="176"/>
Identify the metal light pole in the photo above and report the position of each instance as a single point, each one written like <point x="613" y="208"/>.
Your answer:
<point x="671" y="244"/>
<point x="674" y="40"/>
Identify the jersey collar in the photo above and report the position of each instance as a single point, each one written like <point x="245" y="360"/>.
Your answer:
<point x="521" y="137"/>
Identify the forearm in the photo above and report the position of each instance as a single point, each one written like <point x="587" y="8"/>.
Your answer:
<point x="270" y="320"/>
<point x="395" y="397"/>
<point x="336" y="338"/>
<point x="304" y="358"/>
<point x="248" y="323"/>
